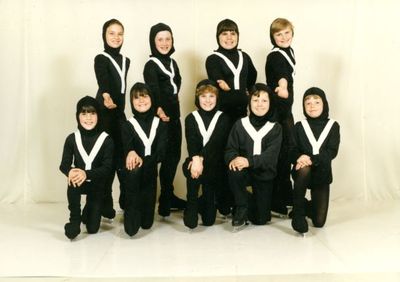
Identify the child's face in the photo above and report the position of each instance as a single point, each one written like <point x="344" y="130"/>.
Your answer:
<point x="260" y="105"/>
<point x="313" y="106"/>
<point x="142" y="104"/>
<point x="88" y="120"/>
<point x="114" y="36"/>
<point x="283" y="38"/>
<point x="207" y="101"/>
<point x="163" y="42"/>
<point x="228" y="39"/>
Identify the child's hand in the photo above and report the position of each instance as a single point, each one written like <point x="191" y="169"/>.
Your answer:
<point x="196" y="167"/>
<point x="133" y="160"/>
<point x="76" y="177"/>
<point x="303" y="161"/>
<point x="282" y="92"/>
<point x="161" y="114"/>
<point x="223" y="85"/>
<point x="108" y="101"/>
<point x="239" y="163"/>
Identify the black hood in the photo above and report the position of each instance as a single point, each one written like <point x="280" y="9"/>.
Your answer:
<point x="108" y="49"/>
<point x="258" y="121"/>
<point x="325" y="111"/>
<point x="83" y="104"/>
<point x="142" y="87"/>
<point x="153" y="32"/>
<point x="227" y="25"/>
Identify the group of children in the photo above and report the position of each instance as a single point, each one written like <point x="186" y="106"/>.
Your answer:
<point x="228" y="149"/>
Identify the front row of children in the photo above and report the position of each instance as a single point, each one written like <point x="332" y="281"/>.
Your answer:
<point x="250" y="150"/>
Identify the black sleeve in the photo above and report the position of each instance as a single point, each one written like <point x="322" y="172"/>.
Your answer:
<point x="232" y="145"/>
<point x="102" y="73"/>
<point x="105" y="168"/>
<point x="251" y="73"/>
<point x="213" y="68"/>
<point x="294" y="149"/>
<point x="330" y="149"/>
<point x="127" y="135"/>
<point x="161" y="148"/>
<point x="67" y="155"/>
<point x="193" y="140"/>
<point x="276" y="68"/>
<point x="151" y="78"/>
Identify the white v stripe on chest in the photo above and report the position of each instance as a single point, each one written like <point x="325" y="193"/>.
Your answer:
<point x="206" y="134"/>
<point x="120" y="71"/>
<point x="146" y="141"/>
<point x="235" y="71"/>
<point x="171" y="73"/>
<point x="287" y="58"/>
<point x="316" y="144"/>
<point x="257" y="136"/>
<point x="88" y="159"/>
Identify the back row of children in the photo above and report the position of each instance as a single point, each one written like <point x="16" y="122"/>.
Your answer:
<point x="228" y="150"/>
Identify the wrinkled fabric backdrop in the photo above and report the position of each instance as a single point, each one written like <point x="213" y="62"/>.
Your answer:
<point x="349" y="48"/>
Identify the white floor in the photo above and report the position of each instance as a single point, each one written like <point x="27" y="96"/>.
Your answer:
<point x="360" y="241"/>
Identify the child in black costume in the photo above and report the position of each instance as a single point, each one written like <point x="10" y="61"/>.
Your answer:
<point x="161" y="74"/>
<point x="235" y="74"/>
<point x="111" y="69"/>
<point x="252" y="153"/>
<point x="206" y="131"/>
<point x="86" y="160"/>
<point x="316" y="144"/>
<point x="144" y="139"/>
<point x="280" y="70"/>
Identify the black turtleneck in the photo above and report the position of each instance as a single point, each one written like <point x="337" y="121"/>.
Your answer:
<point x="233" y="102"/>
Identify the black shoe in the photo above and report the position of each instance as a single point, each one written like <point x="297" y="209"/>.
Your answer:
<point x="190" y="218"/>
<point x="299" y="224"/>
<point x="72" y="229"/>
<point x="240" y="217"/>
<point x="281" y="210"/>
<point x="177" y="203"/>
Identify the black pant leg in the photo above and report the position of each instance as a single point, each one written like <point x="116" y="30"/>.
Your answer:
<point x="301" y="183"/>
<point x="262" y="194"/>
<point x="94" y="198"/>
<point x="320" y="204"/>
<point x="74" y="203"/>
<point x="148" y="194"/>
<point x="170" y="163"/>
<point x="190" y="214"/>
<point x="237" y="182"/>
<point x="208" y="210"/>
<point x="132" y="215"/>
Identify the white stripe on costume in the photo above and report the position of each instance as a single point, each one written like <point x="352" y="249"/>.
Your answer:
<point x="206" y="134"/>
<point x="316" y="144"/>
<point x="146" y="141"/>
<point x="88" y="159"/>
<point x="257" y="136"/>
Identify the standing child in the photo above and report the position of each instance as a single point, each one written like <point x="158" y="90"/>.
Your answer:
<point x="206" y="131"/>
<point x="144" y="140"/>
<point x="161" y="74"/>
<point x="316" y="144"/>
<point x="252" y="153"/>
<point x="235" y="74"/>
<point x="86" y="160"/>
<point x="111" y="69"/>
<point x="280" y="69"/>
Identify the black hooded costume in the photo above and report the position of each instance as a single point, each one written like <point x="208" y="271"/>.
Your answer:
<point x="111" y="69"/>
<point x="262" y="157"/>
<point x="281" y="63"/>
<point x="208" y="144"/>
<point x="161" y="74"/>
<point x="141" y="182"/>
<point x="91" y="151"/>
<point x="318" y="176"/>
<point x="234" y="101"/>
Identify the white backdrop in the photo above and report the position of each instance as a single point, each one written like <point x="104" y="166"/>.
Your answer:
<point x="349" y="48"/>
